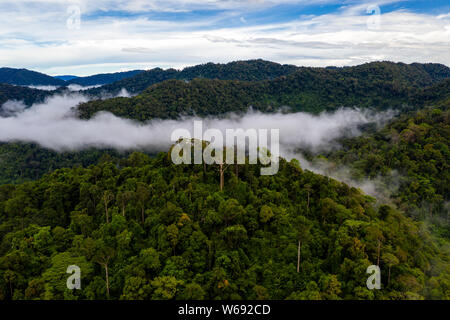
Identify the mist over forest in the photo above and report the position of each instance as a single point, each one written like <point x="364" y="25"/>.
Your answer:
<point x="88" y="180"/>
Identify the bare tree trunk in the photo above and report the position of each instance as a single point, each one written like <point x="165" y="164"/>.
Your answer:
<point x="123" y="210"/>
<point x="308" y="201"/>
<point x="107" y="280"/>
<point x="236" y="169"/>
<point x="142" y="214"/>
<point x="221" y="176"/>
<point x="298" y="255"/>
<point x="378" y="253"/>
<point x="106" y="208"/>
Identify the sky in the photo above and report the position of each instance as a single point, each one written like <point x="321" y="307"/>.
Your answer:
<point x="84" y="37"/>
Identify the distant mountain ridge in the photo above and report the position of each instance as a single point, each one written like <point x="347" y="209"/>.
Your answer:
<point x="24" y="77"/>
<point x="104" y="78"/>
<point x="378" y="84"/>
<point x="249" y="70"/>
<point x="136" y="81"/>
<point x="66" y="77"/>
<point x="262" y="84"/>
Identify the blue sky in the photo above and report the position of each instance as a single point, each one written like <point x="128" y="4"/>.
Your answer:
<point x="282" y="12"/>
<point x="85" y="37"/>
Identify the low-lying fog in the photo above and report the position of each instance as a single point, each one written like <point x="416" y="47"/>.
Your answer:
<point x="54" y="125"/>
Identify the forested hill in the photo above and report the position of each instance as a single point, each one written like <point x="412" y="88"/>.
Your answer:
<point x="25" y="77"/>
<point x="411" y="152"/>
<point x="250" y="70"/>
<point x="22" y="161"/>
<point x="137" y="81"/>
<point x="18" y="93"/>
<point x="415" y="74"/>
<point x="104" y="78"/>
<point x="275" y="85"/>
<point x="438" y="93"/>
<point x="164" y="231"/>
<point x="380" y="84"/>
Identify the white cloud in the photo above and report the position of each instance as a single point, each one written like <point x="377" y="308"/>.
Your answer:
<point x="76" y="87"/>
<point x="53" y="125"/>
<point x="444" y="16"/>
<point x="45" y="88"/>
<point x="38" y="38"/>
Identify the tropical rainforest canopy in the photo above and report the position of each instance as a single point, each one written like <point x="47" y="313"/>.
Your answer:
<point x="140" y="227"/>
<point x="151" y="229"/>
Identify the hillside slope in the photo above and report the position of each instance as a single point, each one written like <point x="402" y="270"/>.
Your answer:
<point x="24" y="94"/>
<point x="24" y="77"/>
<point x="165" y="231"/>
<point x="380" y="85"/>
<point x="250" y="70"/>
<point x="416" y="147"/>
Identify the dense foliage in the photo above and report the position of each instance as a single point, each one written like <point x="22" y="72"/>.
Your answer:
<point x="416" y="147"/>
<point x="148" y="229"/>
<point x="134" y="81"/>
<point x="25" y="77"/>
<point x="27" y="95"/>
<point x="381" y="85"/>
<point x="20" y="162"/>
<point x="143" y="228"/>
<point x="251" y="70"/>
<point x="297" y="87"/>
